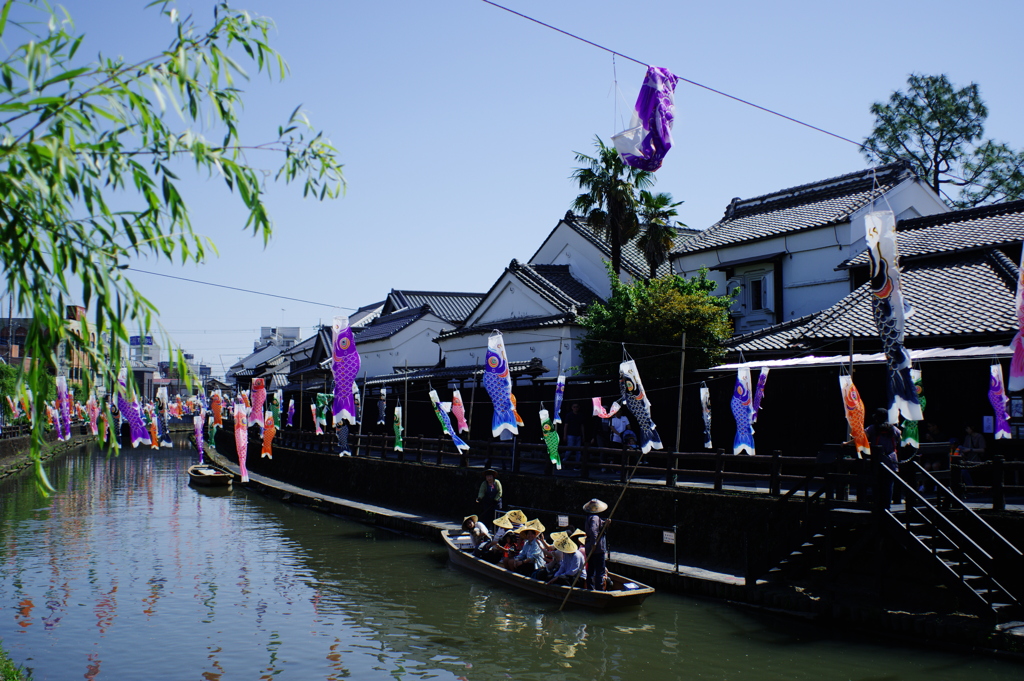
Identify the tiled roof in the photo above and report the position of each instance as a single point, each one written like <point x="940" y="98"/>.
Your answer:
<point x="533" y="367"/>
<point x="555" y="283"/>
<point x="633" y="260"/>
<point x="451" y="306"/>
<point x="808" y="206"/>
<point x="365" y="314"/>
<point x="513" y="324"/>
<point x="388" y="325"/>
<point x="961" y="294"/>
<point x="995" y="225"/>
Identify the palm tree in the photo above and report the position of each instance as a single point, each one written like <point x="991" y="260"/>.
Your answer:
<point x="609" y="203"/>
<point x="656" y="241"/>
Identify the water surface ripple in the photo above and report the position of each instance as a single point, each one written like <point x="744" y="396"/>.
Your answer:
<point x="128" y="573"/>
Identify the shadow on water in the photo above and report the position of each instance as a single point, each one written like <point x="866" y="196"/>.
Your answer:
<point x="237" y="586"/>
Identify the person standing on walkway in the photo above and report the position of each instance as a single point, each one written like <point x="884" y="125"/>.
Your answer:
<point x="488" y="497"/>
<point x="574" y="430"/>
<point x="595" y="543"/>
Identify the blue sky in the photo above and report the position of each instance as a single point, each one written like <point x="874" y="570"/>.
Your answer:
<point x="457" y="123"/>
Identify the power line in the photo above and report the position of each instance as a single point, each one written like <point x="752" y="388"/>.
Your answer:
<point x="244" y="290"/>
<point x="685" y="80"/>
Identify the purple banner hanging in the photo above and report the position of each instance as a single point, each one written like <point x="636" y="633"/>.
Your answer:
<point x="649" y="136"/>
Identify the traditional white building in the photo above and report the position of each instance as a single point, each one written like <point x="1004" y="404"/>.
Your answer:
<point x="782" y="249"/>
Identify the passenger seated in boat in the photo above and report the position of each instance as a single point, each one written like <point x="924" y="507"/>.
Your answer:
<point x="552" y="558"/>
<point x="530" y="557"/>
<point x="571" y="567"/>
<point x="478" y="533"/>
<point x="493" y="550"/>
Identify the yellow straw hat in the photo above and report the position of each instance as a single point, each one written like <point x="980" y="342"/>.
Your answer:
<point x="565" y="545"/>
<point x="516" y="516"/>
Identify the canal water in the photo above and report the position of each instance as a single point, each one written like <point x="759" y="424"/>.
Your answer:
<point x="126" y="572"/>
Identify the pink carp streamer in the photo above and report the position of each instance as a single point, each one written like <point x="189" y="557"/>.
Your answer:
<point x="603" y="413"/>
<point x="316" y="421"/>
<point x="459" y="410"/>
<point x="241" y="438"/>
<point x="259" y="398"/>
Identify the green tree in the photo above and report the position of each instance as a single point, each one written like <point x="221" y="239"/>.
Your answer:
<point x="939" y="129"/>
<point x="650" y="317"/>
<point x="660" y="229"/>
<point x="610" y="200"/>
<point x="77" y="137"/>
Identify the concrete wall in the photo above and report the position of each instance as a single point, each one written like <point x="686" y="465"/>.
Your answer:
<point x="712" y="528"/>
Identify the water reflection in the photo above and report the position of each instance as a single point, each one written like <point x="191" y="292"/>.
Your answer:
<point x="129" y="573"/>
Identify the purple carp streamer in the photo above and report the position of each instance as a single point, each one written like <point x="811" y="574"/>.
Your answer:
<point x="345" y="368"/>
<point x="550" y="436"/>
<point x="890" y="310"/>
<point x="382" y="408"/>
<point x="498" y="383"/>
<point x="649" y="136"/>
<point x="63" y="421"/>
<point x="705" y="406"/>
<point x="197" y="424"/>
<point x="631" y="388"/>
<point x="130" y="412"/>
<point x="1017" y="363"/>
<point x="997" y="397"/>
<point x="291" y="412"/>
<point x="743" y="412"/>
<point x="559" y="396"/>
<point x="762" y="378"/>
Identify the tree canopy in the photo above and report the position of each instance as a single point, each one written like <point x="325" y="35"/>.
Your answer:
<point x="650" y="317"/>
<point x="940" y="130"/>
<point x="610" y="198"/>
<point x="90" y="152"/>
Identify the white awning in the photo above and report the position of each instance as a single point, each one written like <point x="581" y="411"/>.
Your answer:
<point x="925" y="355"/>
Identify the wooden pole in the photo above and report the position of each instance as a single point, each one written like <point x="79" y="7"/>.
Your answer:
<point x="472" y="399"/>
<point x="362" y="412"/>
<point x="682" y="365"/>
<point x="406" y="377"/>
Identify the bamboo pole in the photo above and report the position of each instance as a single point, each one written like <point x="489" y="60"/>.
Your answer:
<point x="682" y="365"/>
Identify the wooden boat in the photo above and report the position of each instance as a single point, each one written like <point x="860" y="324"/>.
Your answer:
<point x="627" y="593"/>
<point x="203" y="475"/>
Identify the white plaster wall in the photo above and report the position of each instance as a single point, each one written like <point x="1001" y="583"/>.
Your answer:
<point x="414" y="344"/>
<point x="508" y="300"/>
<point x="519" y="346"/>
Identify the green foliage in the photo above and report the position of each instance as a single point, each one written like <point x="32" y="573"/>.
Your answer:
<point x="657" y="212"/>
<point x="939" y="129"/>
<point x="650" y="317"/>
<point x="610" y="201"/>
<point x="77" y="137"/>
<point x="10" y="671"/>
